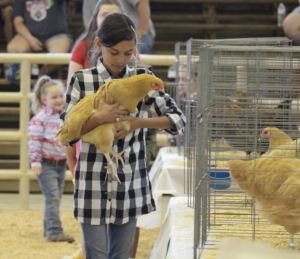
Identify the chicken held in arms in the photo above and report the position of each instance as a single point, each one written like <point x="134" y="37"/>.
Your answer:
<point x="128" y="92"/>
<point x="274" y="183"/>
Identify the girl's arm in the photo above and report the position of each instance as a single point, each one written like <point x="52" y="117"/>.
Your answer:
<point x="73" y="67"/>
<point x="105" y="113"/>
<point x="143" y="9"/>
<point x="71" y="158"/>
<point x="22" y="29"/>
<point x="36" y="134"/>
<point x="78" y="59"/>
<point x="4" y="3"/>
<point x="137" y="123"/>
<point x="170" y="117"/>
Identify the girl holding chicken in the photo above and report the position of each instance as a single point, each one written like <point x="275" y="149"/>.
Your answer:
<point x="81" y="59"/>
<point x="47" y="157"/>
<point x="98" y="198"/>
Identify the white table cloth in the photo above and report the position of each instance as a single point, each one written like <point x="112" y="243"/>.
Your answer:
<point x="167" y="177"/>
<point x="175" y="239"/>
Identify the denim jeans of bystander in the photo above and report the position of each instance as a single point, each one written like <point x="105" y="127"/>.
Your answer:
<point x="52" y="180"/>
<point x="146" y="43"/>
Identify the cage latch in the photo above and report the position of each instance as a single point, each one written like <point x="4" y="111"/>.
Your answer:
<point x="200" y="116"/>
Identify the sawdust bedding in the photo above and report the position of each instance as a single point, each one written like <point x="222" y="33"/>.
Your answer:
<point x="266" y="233"/>
<point x="21" y="237"/>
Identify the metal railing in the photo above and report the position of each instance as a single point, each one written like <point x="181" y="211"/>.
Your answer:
<point x="24" y="174"/>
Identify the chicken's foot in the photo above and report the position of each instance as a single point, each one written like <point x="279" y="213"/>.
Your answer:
<point x="118" y="157"/>
<point x="292" y="244"/>
<point x="111" y="168"/>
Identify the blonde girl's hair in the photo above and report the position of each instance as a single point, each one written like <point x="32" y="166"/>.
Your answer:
<point x="40" y="90"/>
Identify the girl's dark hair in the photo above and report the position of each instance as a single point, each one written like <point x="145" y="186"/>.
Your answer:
<point x="90" y="33"/>
<point x="115" y="28"/>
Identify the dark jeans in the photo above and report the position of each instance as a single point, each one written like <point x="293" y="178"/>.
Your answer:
<point x="52" y="181"/>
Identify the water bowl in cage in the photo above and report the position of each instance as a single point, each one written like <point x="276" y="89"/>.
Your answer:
<point x="220" y="180"/>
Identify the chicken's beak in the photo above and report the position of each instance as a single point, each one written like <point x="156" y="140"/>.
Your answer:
<point x="265" y="135"/>
<point x="158" y="87"/>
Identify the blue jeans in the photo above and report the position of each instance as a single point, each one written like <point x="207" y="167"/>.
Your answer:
<point x="146" y="43"/>
<point x="120" y="240"/>
<point x="52" y="181"/>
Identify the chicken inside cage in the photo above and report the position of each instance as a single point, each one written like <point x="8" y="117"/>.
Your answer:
<point x="248" y="118"/>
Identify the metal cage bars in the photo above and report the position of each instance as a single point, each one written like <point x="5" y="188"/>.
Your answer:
<point x="261" y="65"/>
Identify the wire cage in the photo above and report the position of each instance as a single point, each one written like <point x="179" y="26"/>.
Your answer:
<point x="246" y="122"/>
<point x="172" y="141"/>
<point x="187" y="56"/>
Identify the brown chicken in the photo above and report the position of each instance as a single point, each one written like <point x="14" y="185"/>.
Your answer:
<point x="274" y="183"/>
<point x="128" y="92"/>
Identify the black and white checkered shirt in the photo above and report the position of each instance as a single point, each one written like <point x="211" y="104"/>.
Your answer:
<point x="98" y="200"/>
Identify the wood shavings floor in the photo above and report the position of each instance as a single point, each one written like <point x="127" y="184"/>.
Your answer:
<point x="21" y="231"/>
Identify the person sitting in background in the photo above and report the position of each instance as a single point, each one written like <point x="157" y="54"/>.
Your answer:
<point x="40" y="25"/>
<point x="6" y="16"/>
<point x="81" y="54"/>
<point x="291" y="25"/>
<point x="138" y="11"/>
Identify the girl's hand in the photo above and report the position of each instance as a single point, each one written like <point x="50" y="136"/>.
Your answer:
<point x="140" y="33"/>
<point x="109" y="113"/>
<point x="153" y="112"/>
<point x="135" y="123"/>
<point x="35" y="44"/>
<point x="36" y="170"/>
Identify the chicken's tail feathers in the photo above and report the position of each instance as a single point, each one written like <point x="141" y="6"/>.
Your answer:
<point x="57" y="134"/>
<point x="63" y="139"/>
<point x="62" y="134"/>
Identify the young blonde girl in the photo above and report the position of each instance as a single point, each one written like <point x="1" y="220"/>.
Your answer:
<point x="47" y="157"/>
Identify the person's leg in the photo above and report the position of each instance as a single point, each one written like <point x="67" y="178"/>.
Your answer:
<point x="61" y="179"/>
<point x="48" y="181"/>
<point x="8" y="23"/>
<point x="45" y="223"/>
<point x="135" y="243"/>
<point x="95" y="241"/>
<point x="56" y="44"/>
<point x="19" y="45"/>
<point x="120" y="239"/>
<point x="146" y="43"/>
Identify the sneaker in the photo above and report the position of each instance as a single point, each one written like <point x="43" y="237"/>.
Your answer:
<point x="64" y="238"/>
<point x="35" y="71"/>
<point x="77" y="255"/>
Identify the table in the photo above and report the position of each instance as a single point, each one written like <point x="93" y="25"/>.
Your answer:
<point x="166" y="178"/>
<point x="176" y="237"/>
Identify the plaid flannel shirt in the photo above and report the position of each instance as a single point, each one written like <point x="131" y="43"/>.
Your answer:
<point x="99" y="199"/>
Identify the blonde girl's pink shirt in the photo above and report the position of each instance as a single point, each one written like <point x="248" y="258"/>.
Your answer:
<point x="42" y="128"/>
